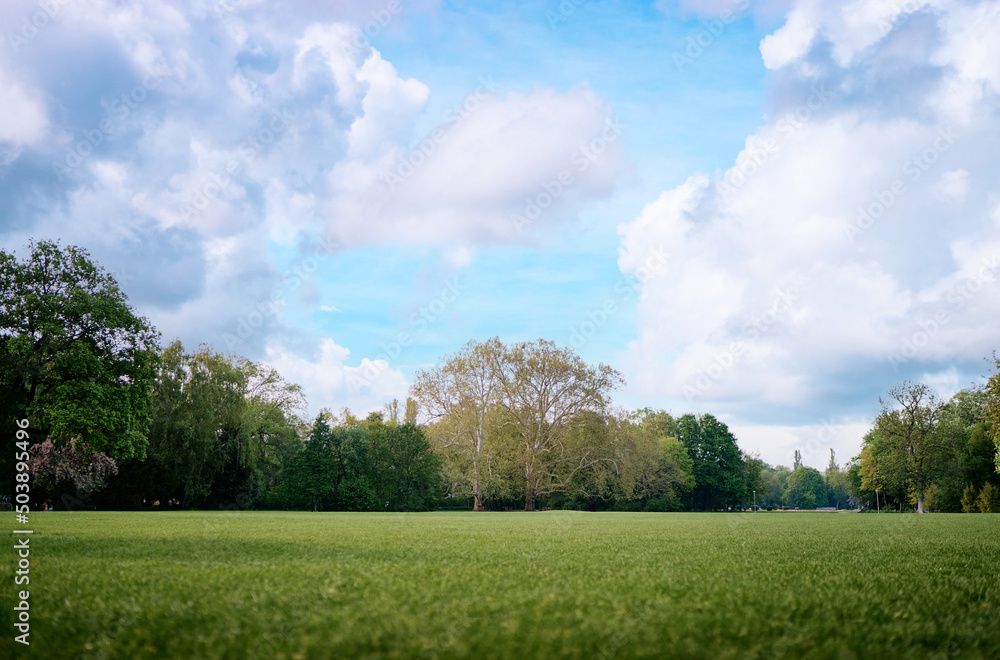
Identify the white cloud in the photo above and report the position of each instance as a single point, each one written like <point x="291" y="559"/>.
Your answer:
<point x="817" y="271"/>
<point x="952" y="187"/>
<point x="537" y="156"/>
<point x="777" y="444"/>
<point x="328" y="381"/>
<point x="24" y="117"/>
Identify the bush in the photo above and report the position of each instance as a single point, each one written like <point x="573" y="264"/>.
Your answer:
<point x="969" y="499"/>
<point x="768" y="507"/>
<point x="356" y="494"/>
<point x="989" y="499"/>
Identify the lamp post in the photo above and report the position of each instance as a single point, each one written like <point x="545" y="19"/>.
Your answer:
<point x="755" y="501"/>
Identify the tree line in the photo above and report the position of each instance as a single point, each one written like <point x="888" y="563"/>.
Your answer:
<point x="120" y="422"/>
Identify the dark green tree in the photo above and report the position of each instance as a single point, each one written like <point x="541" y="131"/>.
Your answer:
<point x="312" y="476"/>
<point x="74" y="358"/>
<point x="719" y="475"/>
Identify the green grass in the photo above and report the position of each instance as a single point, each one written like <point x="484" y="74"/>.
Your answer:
<point x="545" y="585"/>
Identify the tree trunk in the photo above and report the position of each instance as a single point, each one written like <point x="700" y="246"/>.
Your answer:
<point x="529" y="502"/>
<point x="920" y="503"/>
<point x="477" y="502"/>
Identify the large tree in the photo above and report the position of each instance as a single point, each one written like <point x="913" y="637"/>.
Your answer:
<point x="74" y="358"/>
<point x="221" y="429"/>
<point x="458" y="397"/>
<point x="913" y="440"/>
<point x="992" y="393"/>
<point x="718" y="462"/>
<point x="544" y="390"/>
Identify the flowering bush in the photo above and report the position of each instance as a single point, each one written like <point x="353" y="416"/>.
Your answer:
<point x="87" y="470"/>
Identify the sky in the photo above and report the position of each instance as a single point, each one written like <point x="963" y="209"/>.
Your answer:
<point x="769" y="211"/>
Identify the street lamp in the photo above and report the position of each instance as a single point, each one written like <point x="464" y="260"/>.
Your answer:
<point x="755" y="501"/>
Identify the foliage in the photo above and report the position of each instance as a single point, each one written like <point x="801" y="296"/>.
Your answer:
<point x="989" y="499"/>
<point x="806" y="489"/>
<point x="53" y="467"/>
<point x="221" y="430"/>
<point x="991" y="392"/>
<point x="717" y="462"/>
<point x="74" y="358"/>
<point x="969" y="501"/>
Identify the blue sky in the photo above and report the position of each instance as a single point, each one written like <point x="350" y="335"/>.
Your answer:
<point x="772" y="211"/>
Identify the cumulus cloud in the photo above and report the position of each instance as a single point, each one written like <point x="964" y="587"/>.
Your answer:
<point x="185" y="144"/>
<point x="329" y="382"/>
<point x="821" y="267"/>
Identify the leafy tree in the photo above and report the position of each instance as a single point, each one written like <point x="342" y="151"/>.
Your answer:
<point x="992" y="394"/>
<point x="220" y="429"/>
<point x="459" y="394"/>
<point x="74" y="357"/>
<point x="836" y="481"/>
<point x="717" y="462"/>
<point x="405" y="469"/>
<point x="54" y="468"/>
<point x="989" y="499"/>
<point x="909" y="422"/>
<point x="969" y="504"/>
<point x="543" y="390"/>
<point x="806" y="488"/>
<point x="312" y="474"/>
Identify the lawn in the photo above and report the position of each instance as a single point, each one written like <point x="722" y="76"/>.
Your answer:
<point x="510" y="585"/>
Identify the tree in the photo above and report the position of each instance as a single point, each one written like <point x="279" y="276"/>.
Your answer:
<point x="406" y="471"/>
<point x="992" y="409"/>
<point x="220" y="430"/>
<point x="312" y="474"/>
<point x="55" y="468"/>
<point x="543" y="391"/>
<point x="989" y="499"/>
<point x="718" y="462"/>
<point x="806" y="488"/>
<point x="74" y="357"/>
<point x="836" y="482"/>
<point x="909" y="422"/>
<point x="969" y="501"/>
<point x="459" y="394"/>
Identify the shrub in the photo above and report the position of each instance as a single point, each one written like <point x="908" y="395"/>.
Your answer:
<point x="969" y="499"/>
<point x="989" y="499"/>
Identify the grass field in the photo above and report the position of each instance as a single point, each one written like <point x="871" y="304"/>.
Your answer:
<point x="543" y="585"/>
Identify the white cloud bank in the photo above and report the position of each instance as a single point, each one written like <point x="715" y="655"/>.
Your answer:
<point x="853" y="242"/>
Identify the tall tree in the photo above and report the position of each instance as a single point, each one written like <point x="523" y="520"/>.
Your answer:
<point x="836" y="482"/>
<point x="909" y="421"/>
<point x="718" y="462"/>
<point x="74" y="358"/>
<point x="460" y="394"/>
<point x="543" y="389"/>
<point x="992" y="392"/>
<point x="312" y="474"/>
<point x="806" y="488"/>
